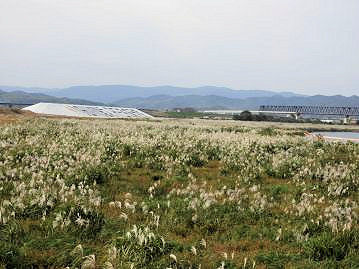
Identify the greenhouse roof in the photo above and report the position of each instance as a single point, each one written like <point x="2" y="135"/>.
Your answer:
<point x="71" y="110"/>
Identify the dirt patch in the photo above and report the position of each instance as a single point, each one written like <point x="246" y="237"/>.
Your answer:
<point x="11" y="115"/>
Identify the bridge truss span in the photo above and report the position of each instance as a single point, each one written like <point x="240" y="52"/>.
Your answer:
<point x="314" y="110"/>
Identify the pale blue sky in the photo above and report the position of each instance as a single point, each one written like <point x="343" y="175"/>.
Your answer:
<point x="307" y="46"/>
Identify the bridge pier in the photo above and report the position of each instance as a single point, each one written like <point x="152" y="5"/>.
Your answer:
<point x="346" y="120"/>
<point x="295" y="116"/>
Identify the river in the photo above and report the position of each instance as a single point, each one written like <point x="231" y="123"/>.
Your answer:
<point x="339" y="135"/>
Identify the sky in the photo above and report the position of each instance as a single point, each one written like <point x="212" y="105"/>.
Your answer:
<point x="306" y="46"/>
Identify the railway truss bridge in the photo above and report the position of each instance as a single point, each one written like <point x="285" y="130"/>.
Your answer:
<point x="345" y="112"/>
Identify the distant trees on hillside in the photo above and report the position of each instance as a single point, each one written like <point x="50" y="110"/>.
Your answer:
<point x="185" y="109"/>
<point x="248" y="116"/>
<point x="245" y="115"/>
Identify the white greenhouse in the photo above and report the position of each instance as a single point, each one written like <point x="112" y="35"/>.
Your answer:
<point x="70" y="110"/>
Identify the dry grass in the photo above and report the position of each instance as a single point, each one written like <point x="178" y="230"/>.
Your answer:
<point x="245" y="214"/>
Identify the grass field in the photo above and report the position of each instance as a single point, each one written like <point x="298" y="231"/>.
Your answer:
<point x="175" y="194"/>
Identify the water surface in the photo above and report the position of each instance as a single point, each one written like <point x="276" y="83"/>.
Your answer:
<point x="342" y="135"/>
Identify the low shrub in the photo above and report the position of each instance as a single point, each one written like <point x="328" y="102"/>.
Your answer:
<point x="332" y="246"/>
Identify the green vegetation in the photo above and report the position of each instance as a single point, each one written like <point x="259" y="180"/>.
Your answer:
<point x="248" y="116"/>
<point x="174" y="194"/>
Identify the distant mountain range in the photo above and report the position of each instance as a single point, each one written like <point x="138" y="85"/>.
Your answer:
<point x="21" y="97"/>
<point x="113" y="93"/>
<point x="219" y="102"/>
<point x="168" y="97"/>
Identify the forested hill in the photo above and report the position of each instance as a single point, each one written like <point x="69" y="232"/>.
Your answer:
<point x="21" y="97"/>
